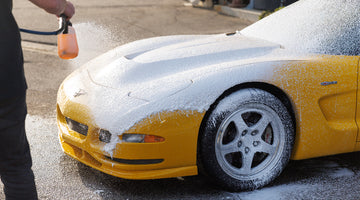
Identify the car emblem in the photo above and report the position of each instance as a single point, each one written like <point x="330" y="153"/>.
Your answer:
<point x="79" y="93"/>
<point x="328" y="83"/>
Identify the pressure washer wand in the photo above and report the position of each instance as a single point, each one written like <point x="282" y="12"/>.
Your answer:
<point x="66" y="41"/>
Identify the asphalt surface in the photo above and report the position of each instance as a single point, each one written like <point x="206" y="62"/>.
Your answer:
<point x="102" y="25"/>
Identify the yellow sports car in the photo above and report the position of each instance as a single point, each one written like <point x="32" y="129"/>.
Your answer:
<point x="235" y="106"/>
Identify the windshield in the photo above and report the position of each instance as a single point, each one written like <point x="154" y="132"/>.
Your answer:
<point x="313" y="26"/>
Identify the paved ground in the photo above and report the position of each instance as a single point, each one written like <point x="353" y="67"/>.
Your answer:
<point x="102" y="25"/>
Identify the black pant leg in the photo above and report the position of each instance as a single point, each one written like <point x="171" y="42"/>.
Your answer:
<point x="15" y="158"/>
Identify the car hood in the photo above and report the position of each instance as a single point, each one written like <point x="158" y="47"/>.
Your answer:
<point x="160" y="57"/>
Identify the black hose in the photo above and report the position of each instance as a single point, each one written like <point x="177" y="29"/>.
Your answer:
<point x="63" y="26"/>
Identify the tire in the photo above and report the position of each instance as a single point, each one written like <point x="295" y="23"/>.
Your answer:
<point x="247" y="140"/>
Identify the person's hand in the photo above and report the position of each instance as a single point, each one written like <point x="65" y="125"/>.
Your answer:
<point x="68" y="11"/>
<point x="56" y="7"/>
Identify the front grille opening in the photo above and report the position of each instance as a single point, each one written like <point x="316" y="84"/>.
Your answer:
<point x="136" y="161"/>
<point x="77" y="127"/>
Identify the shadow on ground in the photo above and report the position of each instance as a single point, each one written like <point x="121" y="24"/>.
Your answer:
<point x="110" y="187"/>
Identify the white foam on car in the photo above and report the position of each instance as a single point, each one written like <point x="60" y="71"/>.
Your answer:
<point x="313" y="26"/>
<point x="119" y="81"/>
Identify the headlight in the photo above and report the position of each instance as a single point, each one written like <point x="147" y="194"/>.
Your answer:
<point x="141" y="138"/>
<point x="105" y="136"/>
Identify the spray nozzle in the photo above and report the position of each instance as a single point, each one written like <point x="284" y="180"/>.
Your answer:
<point x="64" y="24"/>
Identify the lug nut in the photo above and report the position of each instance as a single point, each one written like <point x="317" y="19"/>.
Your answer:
<point x="244" y="133"/>
<point x="256" y="143"/>
<point x="239" y="143"/>
<point x="247" y="149"/>
<point x="254" y="132"/>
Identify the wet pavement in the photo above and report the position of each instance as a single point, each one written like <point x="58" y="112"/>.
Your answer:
<point x="102" y="26"/>
<point x="61" y="177"/>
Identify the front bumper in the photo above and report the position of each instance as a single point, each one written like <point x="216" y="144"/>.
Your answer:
<point x="176" y="156"/>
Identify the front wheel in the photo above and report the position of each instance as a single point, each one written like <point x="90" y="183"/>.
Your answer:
<point x="247" y="140"/>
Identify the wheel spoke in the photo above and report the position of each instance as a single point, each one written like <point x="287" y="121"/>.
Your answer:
<point x="267" y="148"/>
<point x="247" y="160"/>
<point x="262" y="124"/>
<point x="239" y="123"/>
<point x="229" y="148"/>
